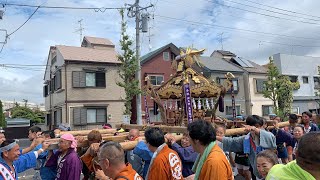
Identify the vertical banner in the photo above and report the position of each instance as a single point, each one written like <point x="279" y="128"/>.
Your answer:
<point x="234" y="112"/>
<point x="147" y="110"/>
<point x="188" y="106"/>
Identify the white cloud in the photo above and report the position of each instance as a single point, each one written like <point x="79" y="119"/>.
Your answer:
<point x="48" y="27"/>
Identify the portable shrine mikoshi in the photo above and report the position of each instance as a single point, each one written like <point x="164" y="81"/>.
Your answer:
<point x="188" y="94"/>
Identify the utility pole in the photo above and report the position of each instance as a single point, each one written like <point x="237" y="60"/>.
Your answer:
<point x="136" y="14"/>
<point x="80" y="30"/>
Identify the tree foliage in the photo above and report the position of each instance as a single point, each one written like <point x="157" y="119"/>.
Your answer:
<point x="2" y="118"/>
<point x="279" y="89"/>
<point x="128" y="67"/>
<point x="35" y="116"/>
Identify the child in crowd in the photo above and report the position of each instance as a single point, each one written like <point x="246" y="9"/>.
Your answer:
<point x="221" y="131"/>
<point x="185" y="151"/>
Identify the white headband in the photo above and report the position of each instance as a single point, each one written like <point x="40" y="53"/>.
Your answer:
<point x="8" y="147"/>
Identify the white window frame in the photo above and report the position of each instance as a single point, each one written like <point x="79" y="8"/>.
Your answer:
<point x="316" y="87"/>
<point x="89" y="121"/>
<point x="157" y="83"/>
<point x="235" y="83"/>
<point x="154" y="118"/>
<point x="295" y="109"/>
<point x="166" y="56"/>
<point x="269" y="112"/>
<point x="237" y="113"/>
<point x="88" y="74"/>
<point x="303" y="77"/>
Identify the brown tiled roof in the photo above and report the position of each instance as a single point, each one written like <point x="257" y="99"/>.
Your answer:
<point x="100" y="41"/>
<point x="85" y="54"/>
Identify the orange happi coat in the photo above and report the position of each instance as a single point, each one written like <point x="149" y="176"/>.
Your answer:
<point x="166" y="166"/>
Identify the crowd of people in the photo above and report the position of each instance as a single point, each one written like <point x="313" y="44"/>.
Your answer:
<point x="203" y="153"/>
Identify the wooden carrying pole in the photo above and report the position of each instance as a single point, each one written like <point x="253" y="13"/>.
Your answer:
<point x="179" y="129"/>
<point x="172" y="129"/>
<point x="86" y="132"/>
<point x="125" y="145"/>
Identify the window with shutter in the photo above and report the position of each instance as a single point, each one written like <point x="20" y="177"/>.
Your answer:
<point x="59" y="116"/>
<point x="58" y="79"/>
<point x="77" y="116"/>
<point x="75" y="78"/>
<point x="78" y="79"/>
<point x="83" y="118"/>
<point x="82" y="81"/>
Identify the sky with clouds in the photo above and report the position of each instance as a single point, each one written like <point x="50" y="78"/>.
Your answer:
<point x="252" y="29"/>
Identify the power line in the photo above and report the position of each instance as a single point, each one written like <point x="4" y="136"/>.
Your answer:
<point x="263" y="14"/>
<point x="23" y="23"/>
<point x="270" y="42"/>
<point x="294" y="12"/>
<point x="36" y="65"/>
<point x="238" y="29"/>
<point x="239" y="17"/>
<point x="247" y="5"/>
<point x="101" y="9"/>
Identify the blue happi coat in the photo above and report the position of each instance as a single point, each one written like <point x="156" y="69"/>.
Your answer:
<point x="24" y="162"/>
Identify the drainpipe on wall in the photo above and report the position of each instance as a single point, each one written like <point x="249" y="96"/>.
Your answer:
<point x="247" y="94"/>
<point x="50" y="98"/>
<point x="66" y="91"/>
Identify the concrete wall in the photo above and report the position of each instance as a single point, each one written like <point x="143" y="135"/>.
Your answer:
<point x="114" y="108"/>
<point x="299" y="66"/>
<point x="257" y="99"/>
<point x="68" y="97"/>
<point x="111" y="92"/>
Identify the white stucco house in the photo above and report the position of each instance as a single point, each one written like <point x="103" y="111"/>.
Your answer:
<point x="304" y="69"/>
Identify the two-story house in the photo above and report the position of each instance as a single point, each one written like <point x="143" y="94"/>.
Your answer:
<point x="305" y="70"/>
<point x="157" y="65"/>
<point x="254" y="77"/>
<point x="215" y="69"/>
<point x="80" y="85"/>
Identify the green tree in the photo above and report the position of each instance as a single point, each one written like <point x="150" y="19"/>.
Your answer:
<point x="279" y="89"/>
<point x="128" y="67"/>
<point x="2" y="118"/>
<point x="25" y="112"/>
